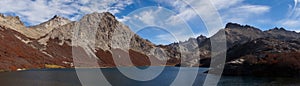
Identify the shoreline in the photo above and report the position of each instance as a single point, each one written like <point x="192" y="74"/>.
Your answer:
<point x="24" y="69"/>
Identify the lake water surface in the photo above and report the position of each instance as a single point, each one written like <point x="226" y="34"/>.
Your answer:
<point x="68" y="77"/>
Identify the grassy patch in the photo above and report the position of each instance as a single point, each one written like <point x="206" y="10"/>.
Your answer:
<point x="53" y="66"/>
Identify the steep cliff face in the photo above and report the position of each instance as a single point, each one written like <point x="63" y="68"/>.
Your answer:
<point x="239" y="34"/>
<point x="101" y="31"/>
<point x="97" y="33"/>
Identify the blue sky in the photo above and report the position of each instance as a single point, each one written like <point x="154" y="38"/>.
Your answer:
<point x="162" y="21"/>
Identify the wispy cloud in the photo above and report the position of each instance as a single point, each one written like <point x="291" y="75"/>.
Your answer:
<point x="37" y="11"/>
<point x="293" y="19"/>
<point x="230" y="11"/>
<point x="238" y="11"/>
<point x="291" y="23"/>
<point x="175" y="20"/>
<point x="159" y="17"/>
<point x="225" y="4"/>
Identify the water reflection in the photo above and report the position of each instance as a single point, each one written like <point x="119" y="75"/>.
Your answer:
<point x="68" y="77"/>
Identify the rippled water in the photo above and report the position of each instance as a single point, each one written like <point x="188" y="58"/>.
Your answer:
<point x="68" y="77"/>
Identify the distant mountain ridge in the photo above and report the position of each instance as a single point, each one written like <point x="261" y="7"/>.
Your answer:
<point x="251" y="51"/>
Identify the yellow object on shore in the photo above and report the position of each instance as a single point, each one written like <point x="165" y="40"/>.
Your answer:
<point x="53" y="66"/>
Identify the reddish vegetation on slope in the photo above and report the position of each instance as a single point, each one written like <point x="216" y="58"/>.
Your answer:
<point x="16" y="54"/>
<point x="123" y="58"/>
<point x="23" y="55"/>
<point x="286" y="60"/>
<point x="273" y="64"/>
<point x="130" y="58"/>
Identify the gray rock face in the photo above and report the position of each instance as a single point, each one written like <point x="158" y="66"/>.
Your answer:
<point x="45" y="27"/>
<point x="16" y="24"/>
<point x="238" y="34"/>
<point x="33" y="32"/>
<point x="189" y="51"/>
<point x="102" y="31"/>
<point x="282" y="34"/>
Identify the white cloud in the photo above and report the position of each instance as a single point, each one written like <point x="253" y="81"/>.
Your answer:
<point x="250" y="9"/>
<point x="230" y="11"/>
<point x="147" y="17"/>
<point x="175" y="20"/>
<point x="159" y="17"/>
<point x="123" y="19"/>
<point x="224" y="4"/>
<point x="238" y="11"/>
<point x="292" y="22"/>
<point x="191" y="9"/>
<point x="186" y="15"/>
<point x="166" y="38"/>
<point x="295" y="13"/>
<point x="35" y="12"/>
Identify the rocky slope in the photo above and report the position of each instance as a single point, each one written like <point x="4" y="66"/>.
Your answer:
<point x="16" y="53"/>
<point x="45" y="27"/>
<point x="97" y="33"/>
<point x="237" y="35"/>
<point x="255" y="52"/>
<point x="264" y="57"/>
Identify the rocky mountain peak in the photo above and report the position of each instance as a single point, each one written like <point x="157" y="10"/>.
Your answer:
<point x="108" y="14"/>
<point x="239" y="34"/>
<point x="231" y="25"/>
<point x="278" y="29"/>
<point x="282" y="33"/>
<point x="59" y="19"/>
<point x="14" y="23"/>
<point x="201" y="37"/>
<point x="45" y="27"/>
<point x="104" y="15"/>
<point x="10" y="20"/>
<point x="56" y="21"/>
<point x="104" y="18"/>
<point x="56" y="16"/>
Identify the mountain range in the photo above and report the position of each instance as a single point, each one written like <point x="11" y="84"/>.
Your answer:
<point x="51" y="44"/>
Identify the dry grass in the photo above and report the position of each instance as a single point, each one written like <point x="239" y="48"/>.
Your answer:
<point x="53" y="66"/>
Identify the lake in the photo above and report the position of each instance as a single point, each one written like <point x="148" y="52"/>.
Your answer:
<point x="68" y="77"/>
